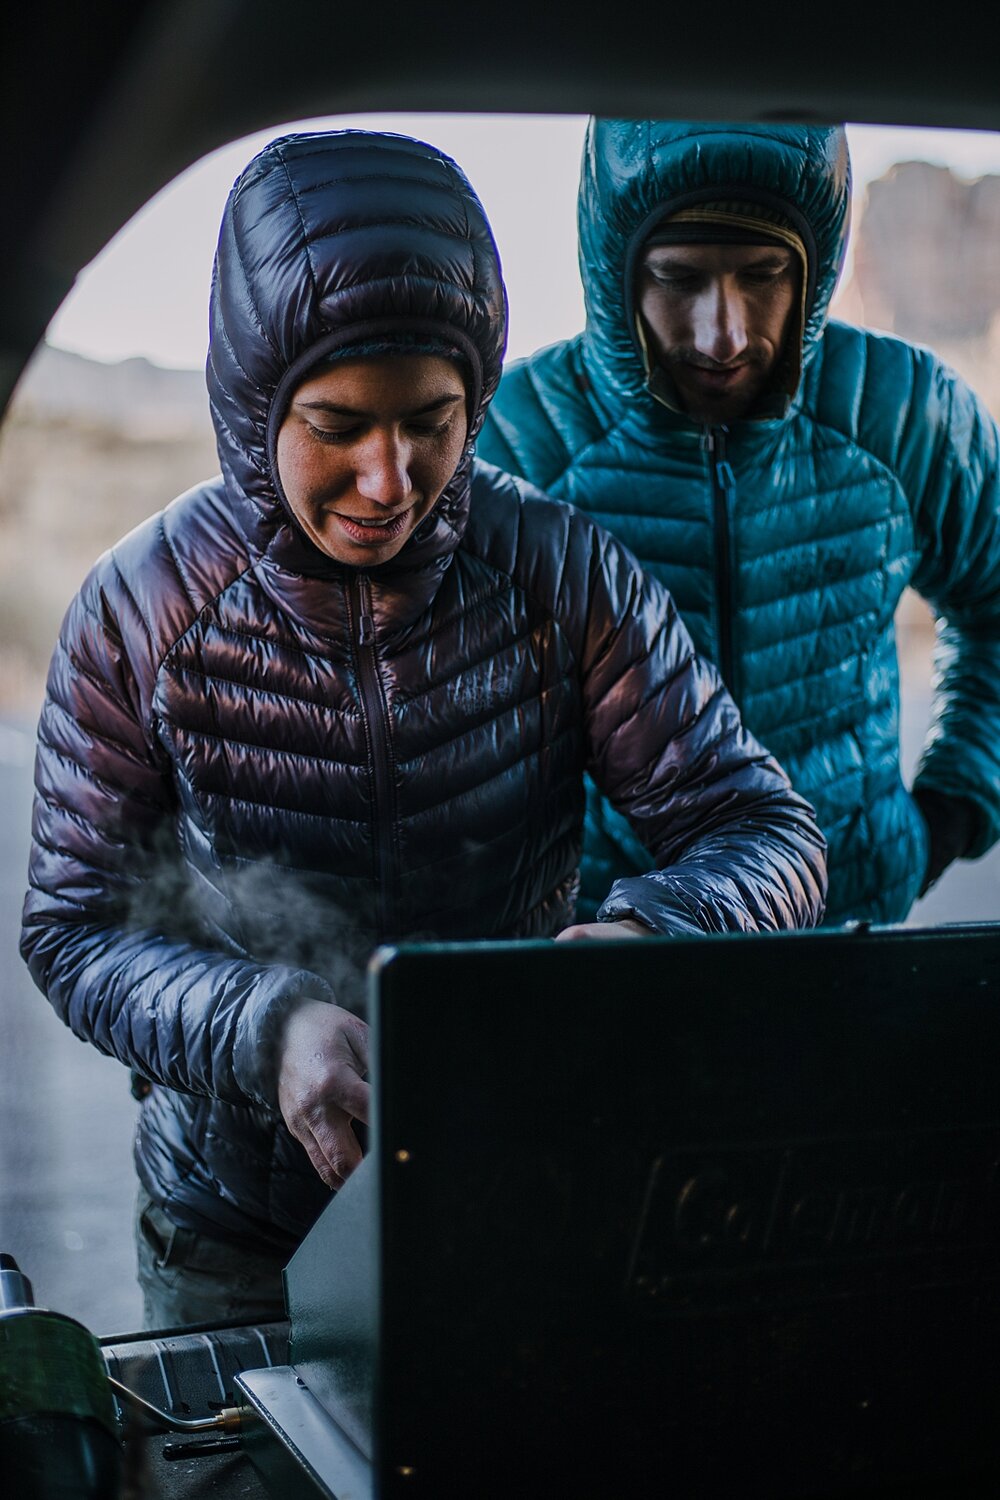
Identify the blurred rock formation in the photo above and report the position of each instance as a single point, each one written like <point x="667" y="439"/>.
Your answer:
<point x="926" y="266"/>
<point x="87" y="451"/>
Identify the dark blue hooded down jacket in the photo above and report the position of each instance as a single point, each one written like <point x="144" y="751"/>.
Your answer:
<point x="787" y="539"/>
<point x="256" y="763"/>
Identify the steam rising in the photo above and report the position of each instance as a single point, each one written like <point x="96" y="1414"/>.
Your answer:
<point x="263" y="912"/>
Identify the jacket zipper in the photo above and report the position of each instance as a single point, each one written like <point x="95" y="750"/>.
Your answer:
<point x="723" y="500"/>
<point x="376" y="712"/>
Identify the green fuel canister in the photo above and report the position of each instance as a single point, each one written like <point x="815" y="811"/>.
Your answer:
<point x="59" y="1436"/>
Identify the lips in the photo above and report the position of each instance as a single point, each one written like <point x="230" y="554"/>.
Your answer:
<point x="366" y="534"/>
<point x="722" y="375"/>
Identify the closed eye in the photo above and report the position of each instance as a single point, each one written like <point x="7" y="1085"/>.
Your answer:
<point x="677" y="280"/>
<point x="430" y="429"/>
<point x="761" y="275"/>
<point x="334" y="434"/>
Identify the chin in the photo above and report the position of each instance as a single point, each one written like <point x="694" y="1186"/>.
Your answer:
<point x="718" y="409"/>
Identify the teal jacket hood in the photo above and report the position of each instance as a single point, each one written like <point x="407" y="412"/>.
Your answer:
<point x="637" y="172"/>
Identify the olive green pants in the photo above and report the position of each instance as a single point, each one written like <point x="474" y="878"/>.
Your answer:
<point x="188" y="1278"/>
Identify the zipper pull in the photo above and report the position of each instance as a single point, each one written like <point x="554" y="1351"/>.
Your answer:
<point x="366" y="624"/>
<point x="726" y="477"/>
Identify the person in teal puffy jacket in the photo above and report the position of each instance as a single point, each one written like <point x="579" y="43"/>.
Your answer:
<point x="786" y="476"/>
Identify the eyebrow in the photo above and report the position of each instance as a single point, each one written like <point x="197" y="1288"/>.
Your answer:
<point x="357" y="411"/>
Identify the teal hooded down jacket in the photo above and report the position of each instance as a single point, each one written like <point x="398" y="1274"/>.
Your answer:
<point x="786" y="539"/>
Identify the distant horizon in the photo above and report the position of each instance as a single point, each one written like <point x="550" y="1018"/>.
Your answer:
<point x="124" y="359"/>
<point x="525" y="169"/>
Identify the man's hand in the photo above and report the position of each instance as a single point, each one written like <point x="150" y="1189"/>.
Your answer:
<point x="627" y="927"/>
<point x="953" y="826"/>
<point x="321" y="1087"/>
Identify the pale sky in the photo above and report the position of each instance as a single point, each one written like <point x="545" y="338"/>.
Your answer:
<point x="147" y="292"/>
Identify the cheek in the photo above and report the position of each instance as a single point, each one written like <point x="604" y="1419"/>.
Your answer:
<point x="441" y="467"/>
<point x="289" y="464"/>
<point x="662" y="318"/>
<point x="775" y="319"/>
<point x="304" y="473"/>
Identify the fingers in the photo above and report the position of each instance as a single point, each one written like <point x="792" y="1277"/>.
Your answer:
<point x="327" y="1136"/>
<point x="333" y="1148"/>
<point x="351" y="1093"/>
<point x="602" y="932"/>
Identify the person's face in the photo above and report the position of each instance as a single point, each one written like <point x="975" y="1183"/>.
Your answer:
<point x="716" y="317"/>
<point x="366" y="449"/>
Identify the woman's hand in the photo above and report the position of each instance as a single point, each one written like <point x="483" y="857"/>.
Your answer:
<point x="321" y="1087"/>
<point x="626" y="927"/>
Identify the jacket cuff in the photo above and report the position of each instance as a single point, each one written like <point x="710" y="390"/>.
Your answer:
<point x="633" y="898"/>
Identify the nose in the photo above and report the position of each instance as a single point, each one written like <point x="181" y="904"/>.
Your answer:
<point x="720" y="322"/>
<point x="383" y="470"/>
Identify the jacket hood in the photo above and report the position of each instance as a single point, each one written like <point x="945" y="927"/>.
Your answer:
<point x="327" y="240"/>
<point x="638" y="172"/>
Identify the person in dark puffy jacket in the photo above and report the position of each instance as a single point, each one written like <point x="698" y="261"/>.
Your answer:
<point x="346" y="693"/>
<point x="786" y="476"/>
